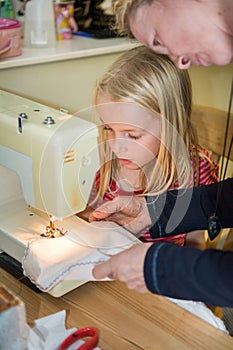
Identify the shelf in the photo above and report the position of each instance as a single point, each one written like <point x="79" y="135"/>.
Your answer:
<point x="75" y="48"/>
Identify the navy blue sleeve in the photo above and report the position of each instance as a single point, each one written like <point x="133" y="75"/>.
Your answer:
<point x="187" y="210"/>
<point x="189" y="273"/>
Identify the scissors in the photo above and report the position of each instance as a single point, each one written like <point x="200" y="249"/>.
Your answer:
<point x="81" y="333"/>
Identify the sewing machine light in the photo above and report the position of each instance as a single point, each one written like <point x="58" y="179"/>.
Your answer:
<point x="51" y="230"/>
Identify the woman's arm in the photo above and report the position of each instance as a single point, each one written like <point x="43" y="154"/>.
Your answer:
<point x="180" y="211"/>
<point x="188" y="273"/>
<point x="174" y="271"/>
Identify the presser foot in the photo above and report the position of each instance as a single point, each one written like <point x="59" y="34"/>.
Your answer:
<point x="51" y="231"/>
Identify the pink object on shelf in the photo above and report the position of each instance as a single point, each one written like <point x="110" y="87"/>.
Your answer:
<point x="64" y="19"/>
<point x="10" y="38"/>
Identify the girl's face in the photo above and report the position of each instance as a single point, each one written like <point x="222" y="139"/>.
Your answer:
<point x="132" y="132"/>
<point x="190" y="32"/>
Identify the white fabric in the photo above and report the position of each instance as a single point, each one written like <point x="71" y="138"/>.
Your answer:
<point x="49" y="332"/>
<point x="47" y="261"/>
<point x="201" y="310"/>
<point x="73" y="256"/>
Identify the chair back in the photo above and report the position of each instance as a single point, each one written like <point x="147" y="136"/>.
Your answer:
<point x="210" y="124"/>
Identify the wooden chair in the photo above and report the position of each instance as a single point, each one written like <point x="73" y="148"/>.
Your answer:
<point x="210" y="124"/>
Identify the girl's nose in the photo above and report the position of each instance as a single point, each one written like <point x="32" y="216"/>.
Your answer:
<point x="119" y="146"/>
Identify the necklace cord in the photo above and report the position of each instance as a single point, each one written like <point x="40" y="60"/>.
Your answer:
<point x="214" y="224"/>
<point x="224" y="170"/>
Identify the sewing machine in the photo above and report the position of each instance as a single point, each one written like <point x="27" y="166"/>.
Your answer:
<point x="48" y="161"/>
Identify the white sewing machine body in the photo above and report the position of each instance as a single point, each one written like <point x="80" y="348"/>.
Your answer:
<point x="48" y="161"/>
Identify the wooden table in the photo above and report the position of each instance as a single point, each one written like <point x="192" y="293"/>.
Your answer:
<point x="126" y="320"/>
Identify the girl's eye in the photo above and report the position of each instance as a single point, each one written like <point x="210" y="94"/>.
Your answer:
<point x="134" y="137"/>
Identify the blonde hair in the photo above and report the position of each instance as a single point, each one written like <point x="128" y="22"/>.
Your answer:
<point x="153" y="82"/>
<point x="122" y="10"/>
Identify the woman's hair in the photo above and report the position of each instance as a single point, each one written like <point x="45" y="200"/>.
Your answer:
<point x="153" y="82"/>
<point x="122" y="9"/>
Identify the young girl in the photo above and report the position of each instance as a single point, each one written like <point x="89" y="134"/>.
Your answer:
<point x="147" y="141"/>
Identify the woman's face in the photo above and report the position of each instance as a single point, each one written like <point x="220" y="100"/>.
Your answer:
<point x="133" y="133"/>
<point x="190" y="32"/>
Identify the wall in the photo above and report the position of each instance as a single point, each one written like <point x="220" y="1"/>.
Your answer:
<point x="211" y="85"/>
<point x="69" y="84"/>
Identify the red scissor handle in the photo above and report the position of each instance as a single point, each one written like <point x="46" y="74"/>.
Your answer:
<point x="80" y="334"/>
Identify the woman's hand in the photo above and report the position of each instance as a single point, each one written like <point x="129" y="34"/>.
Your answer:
<point x="128" y="211"/>
<point x="126" y="267"/>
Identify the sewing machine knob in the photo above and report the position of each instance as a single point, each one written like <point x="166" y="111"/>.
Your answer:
<point x="49" y="121"/>
<point x="23" y="115"/>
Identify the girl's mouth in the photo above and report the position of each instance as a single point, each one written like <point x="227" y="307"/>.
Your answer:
<point x="124" y="161"/>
